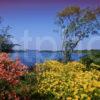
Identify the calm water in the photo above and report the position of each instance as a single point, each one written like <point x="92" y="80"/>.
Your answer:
<point x="32" y="57"/>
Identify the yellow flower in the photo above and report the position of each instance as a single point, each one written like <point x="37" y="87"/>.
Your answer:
<point x="76" y="97"/>
<point x="88" y="98"/>
<point x="62" y="80"/>
<point x="69" y="98"/>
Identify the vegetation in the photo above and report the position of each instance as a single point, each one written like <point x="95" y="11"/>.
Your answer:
<point x="51" y="80"/>
<point x="69" y="81"/>
<point x="54" y="80"/>
<point x="86" y="61"/>
<point x="6" y="45"/>
<point x="95" y="56"/>
<point x="90" y="55"/>
<point x="10" y="73"/>
<point x="76" y="24"/>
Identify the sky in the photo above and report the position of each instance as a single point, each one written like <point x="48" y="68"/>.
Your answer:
<point x="32" y="22"/>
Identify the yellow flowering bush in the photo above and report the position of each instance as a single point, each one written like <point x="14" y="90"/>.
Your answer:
<point x="67" y="81"/>
<point x="50" y="66"/>
<point x="74" y="66"/>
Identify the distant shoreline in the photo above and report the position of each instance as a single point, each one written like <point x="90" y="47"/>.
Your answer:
<point x="51" y="51"/>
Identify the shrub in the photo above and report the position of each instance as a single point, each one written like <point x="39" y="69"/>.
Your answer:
<point x="26" y="87"/>
<point x="87" y="61"/>
<point x="10" y="73"/>
<point x="57" y="81"/>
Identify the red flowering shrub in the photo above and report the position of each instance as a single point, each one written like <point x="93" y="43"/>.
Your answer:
<point x="10" y="70"/>
<point x="10" y="73"/>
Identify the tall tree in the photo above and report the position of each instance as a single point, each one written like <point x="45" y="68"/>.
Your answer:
<point x="75" y="25"/>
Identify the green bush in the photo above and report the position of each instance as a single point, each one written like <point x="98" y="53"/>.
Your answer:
<point x="26" y="87"/>
<point x="87" y="61"/>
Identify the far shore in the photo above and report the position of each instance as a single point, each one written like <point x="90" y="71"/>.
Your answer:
<point x="51" y="51"/>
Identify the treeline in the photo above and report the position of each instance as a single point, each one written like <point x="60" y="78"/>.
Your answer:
<point x="87" y="51"/>
<point x="91" y="56"/>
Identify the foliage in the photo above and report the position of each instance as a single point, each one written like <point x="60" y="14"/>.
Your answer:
<point x="95" y="66"/>
<point x="57" y="81"/>
<point x="6" y="45"/>
<point x="76" y="24"/>
<point x="92" y="56"/>
<point x="95" y="56"/>
<point x="51" y="80"/>
<point x="25" y="89"/>
<point x="87" y="61"/>
<point x="10" y="73"/>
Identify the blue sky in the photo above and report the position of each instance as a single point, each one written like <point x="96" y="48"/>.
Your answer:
<point x="32" y="22"/>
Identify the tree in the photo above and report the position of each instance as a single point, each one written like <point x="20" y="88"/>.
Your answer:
<point x="75" y="25"/>
<point x="6" y="45"/>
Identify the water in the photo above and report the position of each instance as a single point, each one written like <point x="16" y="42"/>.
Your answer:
<point x="30" y="58"/>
